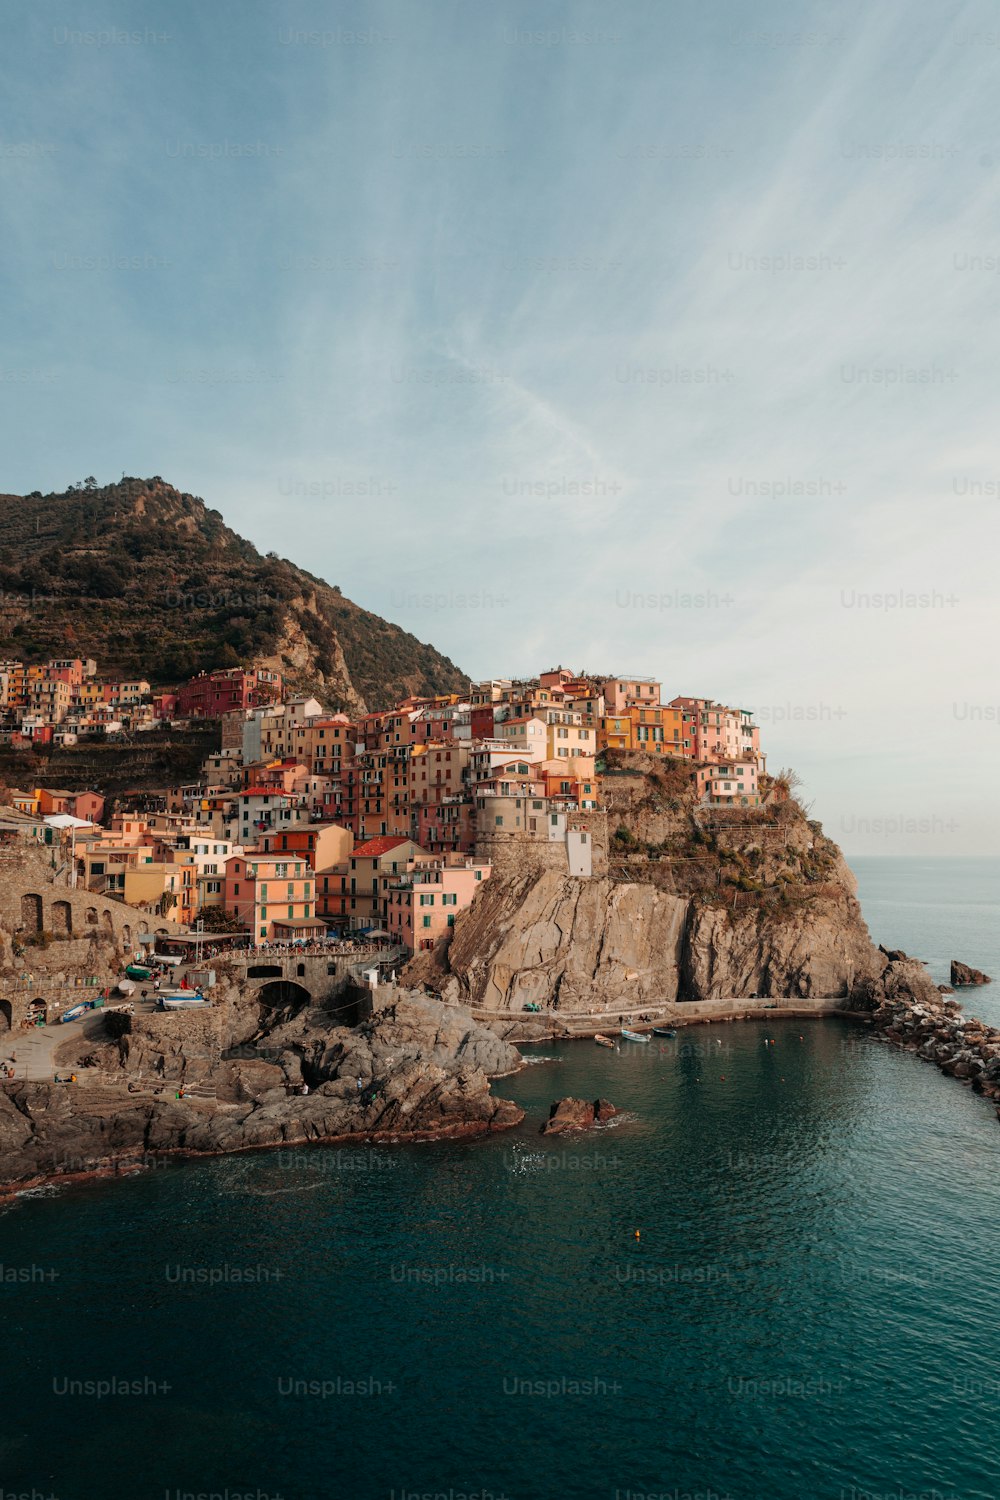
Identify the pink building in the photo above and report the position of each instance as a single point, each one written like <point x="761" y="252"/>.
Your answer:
<point x="272" y="895"/>
<point x="624" y="692"/>
<point x="421" y="905"/>
<point x="728" y="784"/>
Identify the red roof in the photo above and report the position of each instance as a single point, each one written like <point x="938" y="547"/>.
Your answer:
<point x="375" y="847"/>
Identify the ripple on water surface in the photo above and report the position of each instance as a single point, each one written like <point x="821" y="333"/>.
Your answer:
<point x="806" y="1309"/>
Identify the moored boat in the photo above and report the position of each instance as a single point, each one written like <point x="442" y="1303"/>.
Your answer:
<point x="76" y="1011"/>
<point x="603" y="1041"/>
<point x="633" y="1036"/>
<point x="182" y="1000"/>
<point x="664" y="1031"/>
<point x="138" y="971"/>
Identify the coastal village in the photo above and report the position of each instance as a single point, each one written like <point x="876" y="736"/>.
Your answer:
<point x="306" y="824"/>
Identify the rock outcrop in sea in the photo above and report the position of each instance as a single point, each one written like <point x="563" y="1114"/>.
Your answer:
<point x="577" y="1114"/>
<point x="961" y="974"/>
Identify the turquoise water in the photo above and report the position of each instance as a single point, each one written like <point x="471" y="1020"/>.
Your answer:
<point x="808" y="1310"/>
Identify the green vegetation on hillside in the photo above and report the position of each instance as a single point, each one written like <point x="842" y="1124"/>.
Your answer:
<point x="152" y="583"/>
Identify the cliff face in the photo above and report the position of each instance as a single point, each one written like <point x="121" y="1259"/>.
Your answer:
<point x="688" y="927"/>
<point x="572" y="944"/>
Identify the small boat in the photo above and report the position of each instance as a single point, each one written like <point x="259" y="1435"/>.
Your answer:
<point x="76" y="1011"/>
<point x="633" y="1036"/>
<point x="182" y="1000"/>
<point x="603" y="1041"/>
<point x="664" y="1031"/>
<point x="137" y="971"/>
<point x="125" y="987"/>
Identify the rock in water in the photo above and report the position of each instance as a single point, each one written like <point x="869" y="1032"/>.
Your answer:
<point x="577" y="1114"/>
<point x="962" y="974"/>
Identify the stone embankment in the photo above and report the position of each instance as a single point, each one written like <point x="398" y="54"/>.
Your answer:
<point x="935" y="1028"/>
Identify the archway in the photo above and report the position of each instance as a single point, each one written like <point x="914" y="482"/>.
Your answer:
<point x="62" y="917"/>
<point x="107" y="923"/>
<point x="265" y="971"/>
<point x="31" y="913"/>
<point x="281" y="1000"/>
<point x="90" y="916"/>
<point x="6" y="1016"/>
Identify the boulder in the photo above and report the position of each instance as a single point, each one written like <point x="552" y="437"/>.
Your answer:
<point x="577" y="1114"/>
<point x="962" y="974"/>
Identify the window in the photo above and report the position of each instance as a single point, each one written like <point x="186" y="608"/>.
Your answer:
<point x="449" y="899"/>
<point x="427" y="901"/>
<point x="291" y="911"/>
<point x="426" y="922"/>
<point x="451" y="921"/>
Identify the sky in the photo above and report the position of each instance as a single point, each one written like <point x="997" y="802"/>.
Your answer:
<point x="636" y="337"/>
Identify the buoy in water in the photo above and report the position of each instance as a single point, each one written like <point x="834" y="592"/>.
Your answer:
<point x="636" y="1234"/>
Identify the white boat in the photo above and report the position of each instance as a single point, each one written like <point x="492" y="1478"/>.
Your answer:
<point x="125" y="987"/>
<point x="182" y="1000"/>
<point x="633" y="1036"/>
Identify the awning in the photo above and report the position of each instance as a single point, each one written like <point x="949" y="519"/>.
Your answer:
<point x="301" y="924"/>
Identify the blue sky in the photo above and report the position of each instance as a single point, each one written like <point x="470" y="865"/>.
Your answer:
<point x="633" y="336"/>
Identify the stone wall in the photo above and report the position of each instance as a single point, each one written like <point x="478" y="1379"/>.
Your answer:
<point x="515" y="854"/>
<point x="91" y="936"/>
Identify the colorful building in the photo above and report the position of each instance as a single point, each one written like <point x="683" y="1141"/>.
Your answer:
<point x="272" y="896"/>
<point x="421" y="903"/>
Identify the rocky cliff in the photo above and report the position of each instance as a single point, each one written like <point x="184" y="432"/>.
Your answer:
<point x="766" y="907"/>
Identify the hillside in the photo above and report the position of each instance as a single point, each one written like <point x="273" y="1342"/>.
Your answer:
<point x="153" y="583"/>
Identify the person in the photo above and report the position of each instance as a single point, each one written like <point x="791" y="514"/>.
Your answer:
<point x="360" y="1085"/>
<point x="305" y="1088"/>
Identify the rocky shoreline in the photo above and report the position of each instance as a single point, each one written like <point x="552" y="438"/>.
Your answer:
<point x="418" y="1070"/>
<point x="936" y="1029"/>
